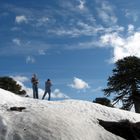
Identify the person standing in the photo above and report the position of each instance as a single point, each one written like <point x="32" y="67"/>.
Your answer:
<point x="48" y="85"/>
<point x="34" y="82"/>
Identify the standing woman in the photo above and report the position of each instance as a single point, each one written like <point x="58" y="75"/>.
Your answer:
<point x="48" y="85"/>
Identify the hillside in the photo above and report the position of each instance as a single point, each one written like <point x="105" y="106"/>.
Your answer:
<point x="56" y="120"/>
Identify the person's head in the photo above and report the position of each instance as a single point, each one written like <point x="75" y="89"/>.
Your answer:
<point x="34" y="75"/>
<point x="48" y="80"/>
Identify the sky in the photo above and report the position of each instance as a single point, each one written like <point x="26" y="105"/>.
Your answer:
<point x="74" y="43"/>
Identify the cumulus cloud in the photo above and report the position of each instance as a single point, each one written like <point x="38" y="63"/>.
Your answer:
<point x="21" y="19"/>
<point x="58" y="94"/>
<point x="122" y="47"/>
<point x="16" y="41"/>
<point x="130" y="28"/>
<point x="79" y="84"/>
<point x="21" y="78"/>
<point x="55" y="94"/>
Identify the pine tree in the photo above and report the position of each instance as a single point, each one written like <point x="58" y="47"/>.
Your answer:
<point x="125" y="83"/>
<point x="10" y="84"/>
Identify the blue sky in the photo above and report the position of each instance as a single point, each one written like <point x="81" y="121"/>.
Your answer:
<point x="73" y="42"/>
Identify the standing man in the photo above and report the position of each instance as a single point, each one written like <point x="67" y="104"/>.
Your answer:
<point x="48" y="85"/>
<point x="34" y="82"/>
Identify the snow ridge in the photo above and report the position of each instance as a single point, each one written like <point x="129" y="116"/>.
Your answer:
<point x="56" y="120"/>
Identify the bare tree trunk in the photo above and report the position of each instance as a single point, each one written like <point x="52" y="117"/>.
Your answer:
<point x="136" y="101"/>
<point x="136" y="97"/>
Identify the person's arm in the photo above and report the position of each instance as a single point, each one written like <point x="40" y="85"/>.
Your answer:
<point x="50" y="83"/>
<point x="32" y="80"/>
<point x="36" y="80"/>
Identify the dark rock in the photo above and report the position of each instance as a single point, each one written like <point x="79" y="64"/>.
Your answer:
<point x="17" y="108"/>
<point x="124" y="128"/>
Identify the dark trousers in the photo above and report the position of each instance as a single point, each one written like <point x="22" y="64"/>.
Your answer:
<point x="35" y="91"/>
<point x="49" y="93"/>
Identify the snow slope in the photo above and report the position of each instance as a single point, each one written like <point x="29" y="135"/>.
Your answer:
<point x="60" y="120"/>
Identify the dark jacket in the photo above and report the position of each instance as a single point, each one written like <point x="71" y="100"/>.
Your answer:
<point x="48" y="85"/>
<point x="34" y="81"/>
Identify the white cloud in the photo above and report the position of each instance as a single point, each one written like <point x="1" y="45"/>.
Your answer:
<point x="122" y="47"/>
<point x="106" y="13"/>
<point x="41" y="52"/>
<point x="81" y="29"/>
<point x="21" y="19"/>
<point x="30" y="59"/>
<point x="133" y="14"/>
<point x="17" y="41"/>
<point x="85" y="29"/>
<point x="130" y="28"/>
<point x="79" y="84"/>
<point x="42" y="21"/>
<point x="76" y="6"/>
<point x="81" y="5"/>
<point x="113" y="39"/>
<point x="21" y="78"/>
<point x="58" y="94"/>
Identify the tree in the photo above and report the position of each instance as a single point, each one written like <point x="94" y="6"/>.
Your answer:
<point x="103" y="101"/>
<point x="125" y="83"/>
<point x="9" y="84"/>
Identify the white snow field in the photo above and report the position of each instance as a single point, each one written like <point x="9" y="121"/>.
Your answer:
<point x="56" y="120"/>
